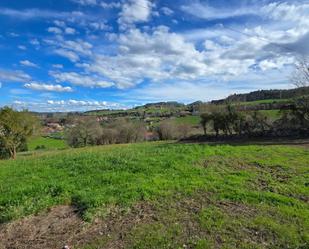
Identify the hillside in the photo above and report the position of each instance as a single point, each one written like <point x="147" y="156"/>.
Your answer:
<point x="157" y="195"/>
<point x="282" y="94"/>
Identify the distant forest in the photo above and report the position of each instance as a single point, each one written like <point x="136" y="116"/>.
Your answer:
<point x="265" y="94"/>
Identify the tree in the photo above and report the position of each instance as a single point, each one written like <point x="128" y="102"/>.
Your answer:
<point x="301" y="74"/>
<point x="85" y="131"/>
<point x="15" y="128"/>
<point x="205" y="119"/>
<point x="166" y="130"/>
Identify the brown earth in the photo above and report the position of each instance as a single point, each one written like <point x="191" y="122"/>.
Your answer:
<point x="62" y="225"/>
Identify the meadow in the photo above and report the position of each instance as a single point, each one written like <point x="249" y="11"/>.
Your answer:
<point x="194" y="195"/>
<point x="46" y="143"/>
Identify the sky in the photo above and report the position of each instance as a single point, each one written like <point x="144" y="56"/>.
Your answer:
<point x="78" y="55"/>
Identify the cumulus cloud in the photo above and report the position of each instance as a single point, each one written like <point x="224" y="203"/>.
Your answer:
<point x="54" y="30"/>
<point x="28" y="63"/>
<point x="167" y="11"/>
<point x="135" y="11"/>
<point x="70" y="49"/>
<point x="13" y="76"/>
<point x="110" y="5"/>
<point x="69" y="31"/>
<point x="65" y="105"/>
<point x="157" y="56"/>
<point x="80" y="80"/>
<point x="72" y="56"/>
<point x="35" y="42"/>
<point x="48" y="87"/>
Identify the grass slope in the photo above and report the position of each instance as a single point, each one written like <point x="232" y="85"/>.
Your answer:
<point x="49" y="143"/>
<point x="205" y="196"/>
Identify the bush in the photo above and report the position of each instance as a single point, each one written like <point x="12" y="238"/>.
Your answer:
<point x="40" y="147"/>
<point x="90" y="132"/>
<point x="167" y="130"/>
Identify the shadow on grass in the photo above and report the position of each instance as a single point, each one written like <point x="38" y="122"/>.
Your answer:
<point x="244" y="141"/>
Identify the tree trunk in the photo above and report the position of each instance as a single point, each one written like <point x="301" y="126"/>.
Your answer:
<point x="13" y="153"/>
<point x="205" y="130"/>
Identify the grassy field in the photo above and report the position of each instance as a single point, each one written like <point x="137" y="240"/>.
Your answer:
<point x="201" y="196"/>
<point x="49" y="143"/>
<point x="189" y="120"/>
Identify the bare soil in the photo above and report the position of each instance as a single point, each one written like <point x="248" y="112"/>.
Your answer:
<point x="62" y="225"/>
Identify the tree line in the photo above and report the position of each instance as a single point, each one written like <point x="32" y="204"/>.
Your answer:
<point x="227" y="120"/>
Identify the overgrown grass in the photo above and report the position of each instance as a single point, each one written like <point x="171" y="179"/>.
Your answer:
<point x="206" y="196"/>
<point x="48" y="143"/>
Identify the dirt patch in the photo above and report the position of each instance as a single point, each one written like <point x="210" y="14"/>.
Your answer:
<point x="47" y="230"/>
<point x="237" y="209"/>
<point x="62" y="225"/>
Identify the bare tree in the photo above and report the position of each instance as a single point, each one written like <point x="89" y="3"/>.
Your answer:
<point x="301" y="74"/>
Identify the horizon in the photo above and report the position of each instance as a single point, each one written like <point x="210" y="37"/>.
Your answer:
<point x="83" y="55"/>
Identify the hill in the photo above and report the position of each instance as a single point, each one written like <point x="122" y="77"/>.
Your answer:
<point x="157" y="195"/>
<point x="265" y="95"/>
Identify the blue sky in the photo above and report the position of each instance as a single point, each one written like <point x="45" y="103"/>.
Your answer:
<point x="76" y="55"/>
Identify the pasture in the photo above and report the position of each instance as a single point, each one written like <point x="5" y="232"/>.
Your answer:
<point x="161" y="195"/>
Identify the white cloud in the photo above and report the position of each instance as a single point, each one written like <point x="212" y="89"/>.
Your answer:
<point x="27" y="14"/>
<point x="28" y="63"/>
<point x="14" y="76"/>
<point x="70" y="49"/>
<point x="72" y="56"/>
<point x="70" y="31"/>
<point x="22" y="47"/>
<point x="54" y="30"/>
<point x="99" y="26"/>
<point x="81" y="80"/>
<point x="167" y="11"/>
<point x="65" y="105"/>
<point x="58" y="66"/>
<point x="85" y="2"/>
<point x="35" y="42"/>
<point x="60" y="23"/>
<point x="48" y="87"/>
<point x="157" y="56"/>
<point x="135" y="11"/>
<point x="205" y="11"/>
<point x="110" y="5"/>
<point x="276" y="63"/>
<point x="13" y="34"/>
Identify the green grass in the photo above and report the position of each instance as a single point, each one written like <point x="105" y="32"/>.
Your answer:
<point x="49" y="143"/>
<point x="189" y="120"/>
<point x="205" y="196"/>
<point x="264" y="101"/>
<point x="273" y="114"/>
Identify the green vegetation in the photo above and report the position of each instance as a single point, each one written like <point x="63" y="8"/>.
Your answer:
<point x="15" y="128"/>
<point x="265" y="101"/>
<point x="190" y="120"/>
<point x="202" y="196"/>
<point x="46" y="143"/>
<point x="273" y="114"/>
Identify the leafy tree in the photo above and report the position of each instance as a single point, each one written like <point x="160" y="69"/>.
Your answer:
<point x="85" y="131"/>
<point x="15" y="128"/>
